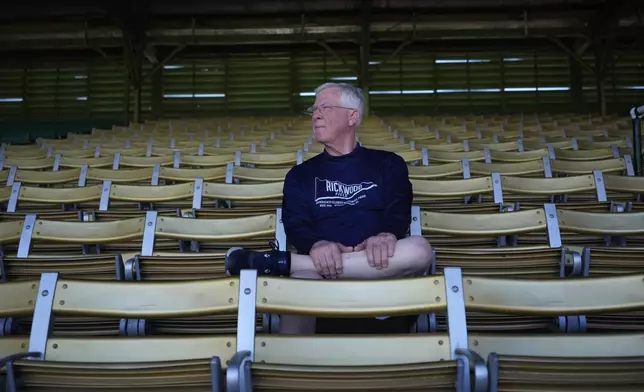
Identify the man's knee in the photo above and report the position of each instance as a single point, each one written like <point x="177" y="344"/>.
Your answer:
<point x="420" y="252"/>
<point x="305" y="275"/>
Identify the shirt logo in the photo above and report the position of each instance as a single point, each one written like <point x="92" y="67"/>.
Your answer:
<point x="337" y="194"/>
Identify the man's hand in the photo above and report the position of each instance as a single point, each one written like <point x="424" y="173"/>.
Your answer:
<point x="379" y="249"/>
<point x="327" y="257"/>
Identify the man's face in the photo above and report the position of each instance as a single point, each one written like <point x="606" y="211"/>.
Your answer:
<point x="332" y="122"/>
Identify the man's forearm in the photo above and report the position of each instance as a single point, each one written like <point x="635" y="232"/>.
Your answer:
<point x="411" y="258"/>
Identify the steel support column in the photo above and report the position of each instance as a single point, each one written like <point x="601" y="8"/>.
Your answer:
<point x="636" y="115"/>
<point x="576" y="85"/>
<point x="337" y="56"/>
<point x="137" y="105"/>
<point x="126" y="98"/>
<point x="293" y="85"/>
<point x="601" y="82"/>
<point x="157" y="95"/>
<point x="502" y="86"/>
<point x="602" y="29"/>
<point x="365" y="54"/>
<point x="598" y="71"/>
<point x="226" y="80"/>
<point x="158" y="66"/>
<point x="134" y="46"/>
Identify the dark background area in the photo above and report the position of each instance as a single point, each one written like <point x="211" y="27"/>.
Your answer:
<point x="70" y="67"/>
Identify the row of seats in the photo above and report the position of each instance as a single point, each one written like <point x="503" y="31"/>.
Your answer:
<point x="439" y="361"/>
<point x="577" y="228"/>
<point x="492" y="190"/>
<point x="293" y="132"/>
<point x="546" y="225"/>
<point x="147" y="144"/>
<point x="232" y="173"/>
<point x="307" y="145"/>
<point x="384" y="134"/>
<point x="484" y="216"/>
<point x="494" y="122"/>
<point x="488" y="154"/>
<point x="470" y="241"/>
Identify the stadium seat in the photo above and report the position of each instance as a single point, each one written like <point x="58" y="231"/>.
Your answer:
<point x="45" y="178"/>
<point x="149" y="230"/>
<point x="470" y="229"/>
<point x="190" y="363"/>
<point x="597" y="228"/>
<point x="411" y="362"/>
<point x="559" y="362"/>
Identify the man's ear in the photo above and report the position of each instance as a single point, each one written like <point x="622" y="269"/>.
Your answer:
<point x="353" y="118"/>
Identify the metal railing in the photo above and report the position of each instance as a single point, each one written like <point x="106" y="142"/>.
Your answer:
<point x="637" y="112"/>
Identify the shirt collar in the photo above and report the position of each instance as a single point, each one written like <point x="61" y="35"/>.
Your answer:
<point x="356" y="150"/>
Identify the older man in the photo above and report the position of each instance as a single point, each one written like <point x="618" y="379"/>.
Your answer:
<point x="346" y="211"/>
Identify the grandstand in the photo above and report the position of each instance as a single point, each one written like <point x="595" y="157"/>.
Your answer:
<point x="140" y="143"/>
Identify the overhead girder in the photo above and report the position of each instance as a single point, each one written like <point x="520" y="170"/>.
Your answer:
<point x="204" y="31"/>
<point x="29" y="9"/>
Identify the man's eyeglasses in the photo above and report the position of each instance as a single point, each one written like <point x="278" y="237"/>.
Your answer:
<point x="325" y="109"/>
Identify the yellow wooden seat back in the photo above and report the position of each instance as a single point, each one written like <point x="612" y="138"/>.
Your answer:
<point x="508" y="169"/>
<point x="601" y="223"/>
<point x="149" y="351"/>
<point x="207" y="160"/>
<point x="215" y="229"/>
<point x="151" y="194"/>
<point x="514" y="156"/>
<point x="145" y="300"/>
<point x="435" y="171"/>
<point x="10" y="231"/>
<point x="143" y="161"/>
<point x="447" y="188"/>
<point x="29" y="164"/>
<point x="60" y="195"/>
<point x="630" y="184"/>
<point x="187" y="174"/>
<point x="47" y="177"/>
<point x="18" y="298"/>
<point x="73" y="162"/>
<point x="568" y="346"/>
<point x="266" y="191"/>
<point x="88" y="232"/>
<point x="554" y="296"/>
<point x="584" y="167"/>
<point x="482" y="224"/>
<point x="548" y="186"/>
<point x="260" y="174"/>
<point x="120" y="176"/>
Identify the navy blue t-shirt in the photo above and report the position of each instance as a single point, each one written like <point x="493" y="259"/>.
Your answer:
<point x="346" y="199"/>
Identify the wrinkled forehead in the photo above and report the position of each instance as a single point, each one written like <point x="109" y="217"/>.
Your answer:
<point x="329" y="96"/>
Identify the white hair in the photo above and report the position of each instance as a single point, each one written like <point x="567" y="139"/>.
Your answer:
<point x="350" y="96"/>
